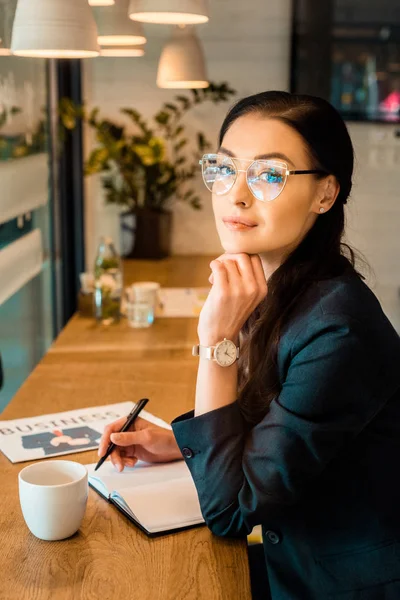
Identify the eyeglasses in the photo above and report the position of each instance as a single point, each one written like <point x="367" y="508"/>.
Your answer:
<point x="265" y="178"/>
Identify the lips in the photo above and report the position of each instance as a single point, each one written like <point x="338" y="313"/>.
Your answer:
<point x="239" y="221"/>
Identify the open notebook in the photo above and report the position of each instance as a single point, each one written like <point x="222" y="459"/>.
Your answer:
<point x="159" y="498"/>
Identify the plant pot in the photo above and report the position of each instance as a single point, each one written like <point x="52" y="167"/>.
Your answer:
<point x="146" y="234"/>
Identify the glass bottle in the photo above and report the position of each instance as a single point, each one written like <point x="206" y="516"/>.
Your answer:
<point x="107" y="283"/>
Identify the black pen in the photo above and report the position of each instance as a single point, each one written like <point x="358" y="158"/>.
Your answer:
<point x="130" y="419"/>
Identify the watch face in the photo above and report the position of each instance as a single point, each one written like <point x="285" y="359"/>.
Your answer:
<point x="225" y="353"/>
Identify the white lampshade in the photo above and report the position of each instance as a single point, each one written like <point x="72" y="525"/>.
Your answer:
<point x="182" y="63"/>
<point x="101" y="2"/>
<point x="122" y="51"/>
<point x="169" y="11"/>
<point x="115" y="28"/>
<point x="54" y="29"/>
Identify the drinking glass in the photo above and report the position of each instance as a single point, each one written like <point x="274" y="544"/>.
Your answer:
<point x="141" y="303"/>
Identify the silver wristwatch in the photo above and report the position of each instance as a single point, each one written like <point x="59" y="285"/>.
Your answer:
<point x="224" y="353"/>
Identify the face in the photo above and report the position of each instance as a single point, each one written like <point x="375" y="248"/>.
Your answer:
<point x="282" y="223"/>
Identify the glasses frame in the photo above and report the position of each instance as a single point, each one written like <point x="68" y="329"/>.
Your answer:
<point x="252" y="161"/>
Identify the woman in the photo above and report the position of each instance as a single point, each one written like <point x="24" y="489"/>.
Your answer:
<point x="301" y="434"/>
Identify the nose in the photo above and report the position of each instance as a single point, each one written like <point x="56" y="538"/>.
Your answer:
<point x="240" y="193"/>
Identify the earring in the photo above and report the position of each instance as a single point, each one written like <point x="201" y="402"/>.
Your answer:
<point x="321" y="210"/>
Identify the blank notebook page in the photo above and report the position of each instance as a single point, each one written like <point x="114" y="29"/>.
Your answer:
<point x="141" y="474"/>
<point x="162" y="506"/>
<point x="158" y="495"/>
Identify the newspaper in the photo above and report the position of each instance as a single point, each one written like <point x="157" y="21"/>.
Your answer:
<point x="61" y="433"/>
<point x="181" y="302"/>
<point x="177" y="302"/>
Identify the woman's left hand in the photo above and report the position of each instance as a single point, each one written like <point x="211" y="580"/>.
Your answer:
<point x="239" y="285"/>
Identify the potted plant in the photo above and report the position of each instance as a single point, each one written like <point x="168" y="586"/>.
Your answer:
<point x="16" y="143"/>
<point x="147" y="170"/>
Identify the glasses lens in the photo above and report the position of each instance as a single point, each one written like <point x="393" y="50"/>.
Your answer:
<point x="218" y="173"/>
<point x="266" y="179"/>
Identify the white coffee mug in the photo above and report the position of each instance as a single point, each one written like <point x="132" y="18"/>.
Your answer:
<point x="53" y="496"/>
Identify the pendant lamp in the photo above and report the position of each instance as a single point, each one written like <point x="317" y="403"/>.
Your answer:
<point x="122" y="51"/>
<point x="169" y="11"/>
<point x="115" y="28"/>
<point x="182" y="63"/>
<point x="101" y="2"/>
<point x="54" y="29"/>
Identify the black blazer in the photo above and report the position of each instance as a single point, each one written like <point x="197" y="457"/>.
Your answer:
<point x="321" y="471"/>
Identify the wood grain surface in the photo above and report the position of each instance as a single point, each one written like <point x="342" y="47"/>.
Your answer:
<point x="109" y="558"/>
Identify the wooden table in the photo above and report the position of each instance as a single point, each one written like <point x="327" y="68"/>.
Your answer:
<point x="109" y="558"/>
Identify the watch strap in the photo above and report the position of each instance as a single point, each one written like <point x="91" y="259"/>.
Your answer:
<point x="208" y="351"/>
<point x="203" y="351"/>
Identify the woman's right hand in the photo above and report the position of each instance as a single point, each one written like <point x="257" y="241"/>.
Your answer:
<point x="143" y="441"/>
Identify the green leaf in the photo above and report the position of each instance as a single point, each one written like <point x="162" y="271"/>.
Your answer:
<point x="132" y="113"/>
<point x="178" y="130"/>
<point x="196" y="95"/>
<point x="162" y="118"/>
<point x="92" y="119"/>
<point x="20" y="150"/>
<point x="68" y="121"/>
<point x="201" y="140"/>
<point x="184" y="101"/>
<point x="69" y="112"/>
<point x="136" y="117"/>
<point x="180" y="145"/>
<point x="96" y="161"/>
<point x="171" y="107"/>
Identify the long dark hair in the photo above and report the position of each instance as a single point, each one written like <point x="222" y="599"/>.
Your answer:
<point x="320" y="255"/>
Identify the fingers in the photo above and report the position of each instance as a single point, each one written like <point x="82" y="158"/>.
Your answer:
<point x="250" y="271"/>
<point x="108" y="430"/>
<point x="129" y="438"/>
<point x="124" y="454"/>
<point x="233" y="273"/>
<point x="245" y="266"/>
<point x="243" y="277"/>
<point x="119" y="460"/>
<point x="259" y="274"/>
<point x="116" y="459"/>
<point x="212" y="264"/>
<point x="219" y="273"/>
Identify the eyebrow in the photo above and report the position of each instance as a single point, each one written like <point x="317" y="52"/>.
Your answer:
<point x="259" y="156"/>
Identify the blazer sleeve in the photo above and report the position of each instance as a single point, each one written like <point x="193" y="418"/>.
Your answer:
<point x="330" y="393"/>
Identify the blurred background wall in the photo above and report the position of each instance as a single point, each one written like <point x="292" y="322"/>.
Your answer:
<point x="249" y="47"/>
